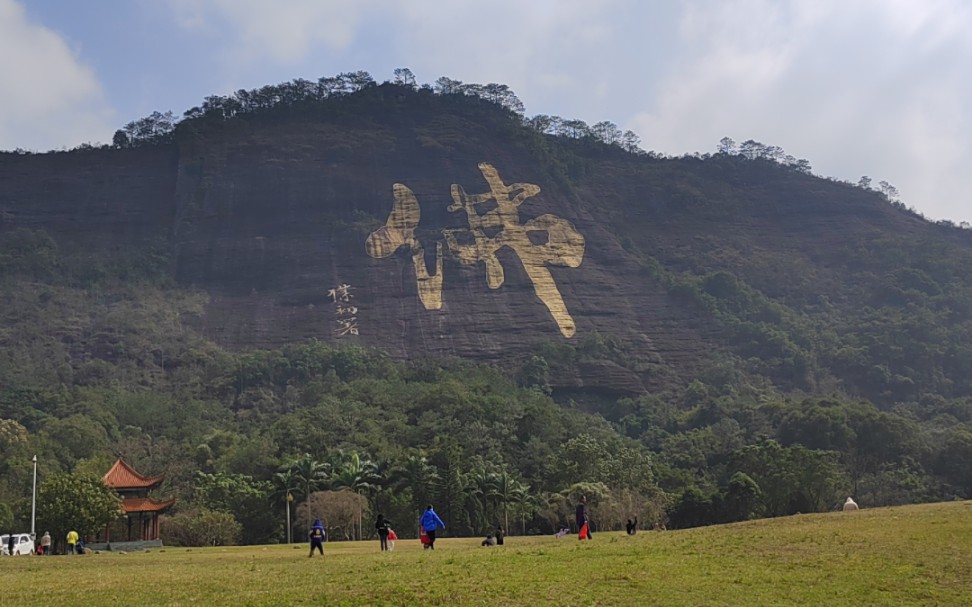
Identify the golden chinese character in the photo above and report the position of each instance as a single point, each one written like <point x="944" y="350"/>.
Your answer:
<point x="559" y="243"/>
<point x="399" y="231"/>
<point x="564" y="245"/>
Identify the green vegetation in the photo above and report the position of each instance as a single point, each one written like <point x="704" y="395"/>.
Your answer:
<point x="917" y="555"/>
<point x="234" y="433"/>
<point x="71" y="502"/>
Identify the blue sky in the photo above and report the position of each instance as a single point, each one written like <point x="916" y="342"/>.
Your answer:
<point x="868" y="87"/>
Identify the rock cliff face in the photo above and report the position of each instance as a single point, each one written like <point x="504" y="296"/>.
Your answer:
<point x="278" y="233"/>
<point x="95" y="198"/>
<point x="432" y="233"/>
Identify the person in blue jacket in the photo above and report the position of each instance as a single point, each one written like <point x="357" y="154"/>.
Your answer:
<point x="430" y="522"/>
<point x="317" y="537"/>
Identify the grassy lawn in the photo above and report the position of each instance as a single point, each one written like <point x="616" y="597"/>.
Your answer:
<point x="914" y="555"/>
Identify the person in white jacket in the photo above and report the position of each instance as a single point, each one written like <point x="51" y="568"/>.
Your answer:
<point x="850" y="504"/>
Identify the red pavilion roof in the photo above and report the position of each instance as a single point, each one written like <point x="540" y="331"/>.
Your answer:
<point x="145" y="504"/>
<point x="123" y="476"/>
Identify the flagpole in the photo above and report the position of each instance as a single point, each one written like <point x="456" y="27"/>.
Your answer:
<point x="33" y="504"/>
<point x="290" y="498"/>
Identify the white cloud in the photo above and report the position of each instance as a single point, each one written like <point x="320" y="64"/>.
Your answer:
<point x="49" y="96"/>
<point x="284" y="30"/>
<point x="539" y="48"/>
<point x="878" y="88"/>
<point x="544" y="47"/>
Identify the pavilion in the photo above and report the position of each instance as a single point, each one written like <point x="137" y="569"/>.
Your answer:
<point x="141" y="511"/>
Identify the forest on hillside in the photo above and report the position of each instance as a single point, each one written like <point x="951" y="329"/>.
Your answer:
<point x="100" y="365"/>
<point x="823" y="389"/>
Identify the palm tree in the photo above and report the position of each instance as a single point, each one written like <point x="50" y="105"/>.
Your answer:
<point x="384" y="478"/>
<point x="310" y="474"/>
<point x="417" y="474"/>
<point x="350" y="471"/>
<point x="526" y="504"/>
<point x="452" y="494"/>
<point x="482" y="488"/>
<point x="504" y="487"/>
<point x="287" y="484"/>
<point x="354" y="472"/>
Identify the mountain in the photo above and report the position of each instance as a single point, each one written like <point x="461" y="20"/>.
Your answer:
<point x="344" y="270"/>
<point x="676" y="262"/>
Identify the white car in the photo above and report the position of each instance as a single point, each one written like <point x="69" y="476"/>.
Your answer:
<point x="23" y="544"/>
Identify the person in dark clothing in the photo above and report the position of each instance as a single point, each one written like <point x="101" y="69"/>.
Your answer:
<point x="580" y="516"/>
<point x="317" y="538"/>
<point x="430" y="521"/>
<point x="499" y="536"/>
<point x="632" y="526"/>
<point x="10" y="544"/>
<point x="382" y="526"/>
<point x="489" y="541"/>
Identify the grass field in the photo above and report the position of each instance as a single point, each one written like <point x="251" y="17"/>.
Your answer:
<point x="914" y="555"/>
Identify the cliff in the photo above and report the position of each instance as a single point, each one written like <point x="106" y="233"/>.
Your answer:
<point x="428" y="226"/>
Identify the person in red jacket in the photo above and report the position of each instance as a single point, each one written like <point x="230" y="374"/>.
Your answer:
<point x="582" y="520"/>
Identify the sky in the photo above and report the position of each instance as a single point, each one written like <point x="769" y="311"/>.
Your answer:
<point x="881" y="88"/>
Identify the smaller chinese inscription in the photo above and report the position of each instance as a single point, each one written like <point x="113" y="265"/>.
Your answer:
<point x="345" y="312"/>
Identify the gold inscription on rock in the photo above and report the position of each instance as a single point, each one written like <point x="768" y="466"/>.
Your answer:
<point x="490" y="229"/>
<point x="399" y="231"/>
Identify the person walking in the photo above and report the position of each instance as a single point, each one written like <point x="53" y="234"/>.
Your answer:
<point x="72" y="539"/>
<point x="430" y="522"/>
<point x="46" y="543"/>
<point x="499" y="535"/>
<point x="317" y="538"/>
<point x="582" y="520"/>
<point x="382" y="527"/>
<point x="10" y="544"/>
<point x="392" y="538"/>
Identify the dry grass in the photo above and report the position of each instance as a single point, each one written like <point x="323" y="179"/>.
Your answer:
<point x="915" y="555"/>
